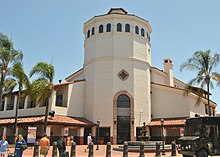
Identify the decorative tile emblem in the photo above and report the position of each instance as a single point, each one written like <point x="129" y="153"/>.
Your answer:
<point x="123" y="75"/>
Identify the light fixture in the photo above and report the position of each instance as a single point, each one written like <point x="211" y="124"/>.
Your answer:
<point x="115" y="120"/>
<point x="132" y="120"/>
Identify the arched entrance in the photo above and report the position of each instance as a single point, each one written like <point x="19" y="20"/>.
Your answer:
<point x="123" y="119"/>
<point x="123" y="101"/>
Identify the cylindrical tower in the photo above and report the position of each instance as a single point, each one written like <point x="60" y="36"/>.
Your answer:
<point x="117" y="72"/>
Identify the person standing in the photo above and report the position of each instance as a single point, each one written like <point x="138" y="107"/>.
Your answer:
<point x="61" y="146"/>
<point x="44" y="145"/>
<point x="4" y="145"/>
<point x="89" y="140"/>
<point x="18" y="145"/>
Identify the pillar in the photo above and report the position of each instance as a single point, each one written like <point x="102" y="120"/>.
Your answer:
<point x="80" y="134"/>
<point x="5" y="104"/>
<point x="26" y="102"/>
<point x="48" y="130"/>
<point x="4" y="131"/>
<point x="15" y="102"/>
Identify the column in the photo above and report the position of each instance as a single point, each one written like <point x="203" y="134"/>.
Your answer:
<point x="5" y="104"/>
<point x="4" y="131"/>
<point x="80" y="134"/>
<point x="165" y="134"/>
<point x="48" y="130"/>
<point x="26" y="102"/>
<point x="94" y="132"/>
<point x="15" y="102"/>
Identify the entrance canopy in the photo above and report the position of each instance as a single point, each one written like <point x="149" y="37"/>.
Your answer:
<point x="167" y="122"/>
<point x="56" y="120"/>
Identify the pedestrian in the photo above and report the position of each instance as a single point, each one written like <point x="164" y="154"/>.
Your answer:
<point x="44" y="145"/>
<point x="20" y="145"/>
<point x="89" y="140"/>
<point x="4" y="147"/>
<point x="61" y="146"/>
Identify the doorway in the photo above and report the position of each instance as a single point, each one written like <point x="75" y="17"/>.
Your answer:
<point x="123" y="119"/>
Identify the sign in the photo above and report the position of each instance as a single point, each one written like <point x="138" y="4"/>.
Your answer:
<point x="32" y="132"/>
<point x="66" y="132"/>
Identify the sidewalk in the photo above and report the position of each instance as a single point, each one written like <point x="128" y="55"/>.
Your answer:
<point x="80" y="152"/>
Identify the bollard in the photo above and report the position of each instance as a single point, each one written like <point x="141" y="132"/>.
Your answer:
<point x="91" y="149"/>
<point x="108" y="149"/>
<point x="73" y="149"/>
<point x="142" y="149"/>
<point x="36" y="149"/>
<point x="125" y="149"/>
<point x="54" y="153"/>
<point x="173" y="150"/>
<point x="157" y="149"/>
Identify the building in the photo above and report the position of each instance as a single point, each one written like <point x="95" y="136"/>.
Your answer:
<point x="117" y="86"/>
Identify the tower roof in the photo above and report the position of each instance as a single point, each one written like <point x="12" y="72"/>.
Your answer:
<point x="117" y="11"/>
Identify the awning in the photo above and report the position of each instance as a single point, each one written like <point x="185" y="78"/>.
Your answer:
<point x="56" y="120"/>
<point x="167" y="122"/>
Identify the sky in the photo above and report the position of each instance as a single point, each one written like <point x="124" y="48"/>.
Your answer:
<point x="52" y="30"/>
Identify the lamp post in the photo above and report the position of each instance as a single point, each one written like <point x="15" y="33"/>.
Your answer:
<point x="162" y="127"/>
<point x="98" y="122"/>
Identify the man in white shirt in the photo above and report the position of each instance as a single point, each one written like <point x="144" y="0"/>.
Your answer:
<point x="89" y="140"/>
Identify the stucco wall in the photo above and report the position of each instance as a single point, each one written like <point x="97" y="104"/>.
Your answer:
<point x="76" y="99"/>
<point x="171" y="102"/>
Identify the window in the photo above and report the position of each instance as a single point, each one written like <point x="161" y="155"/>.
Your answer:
<point x="213" y="111"/>
<point x="101" y="29"/>
<point x="10" y="103"/>
<point x="127" y="28"/>
<point x="93" y="30"/>
<point x="21" y="102"/>
<point x="88" y="33"/>
<point x="59" y="100"/>
<point x="147" y="35"/>
<point x="136" y="30"/>
<point x="118" y="27"/>
<point x="2" y="104"/>
<point x="108" y="27"/>
<point x="142" y="32"/>
<point x="123" y="101"/>
<point x="206" y="109"/>
<point x="31" y="104"/>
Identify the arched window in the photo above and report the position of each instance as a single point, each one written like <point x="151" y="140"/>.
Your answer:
<point x="142" y="32"/>
<point x="88" y="33"/>
<point x="108" y="27"/>
<point x="123" y="101"/>
<point x="136" y="30"/>
<point x="127" y="28"/>
<point x="93" y="30"/>
<point x="147" y="36"/>
<point x="101" y="29"/>
<point x="118" y="27"/>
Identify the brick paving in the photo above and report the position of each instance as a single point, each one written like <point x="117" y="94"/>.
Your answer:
<point x="80" y="152"/>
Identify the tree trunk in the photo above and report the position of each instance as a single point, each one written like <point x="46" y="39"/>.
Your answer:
<point x="208" y="100"/>
<point x="16" y="113"/>
<point x="46" y="112"/>
<point x="1" y="85"/>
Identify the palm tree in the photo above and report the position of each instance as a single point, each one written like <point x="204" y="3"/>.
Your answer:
<point x="8" y="57"/>
<point x="42" y="87"/>
<point x="19" y="79"/>
<point x="203" y="63"/>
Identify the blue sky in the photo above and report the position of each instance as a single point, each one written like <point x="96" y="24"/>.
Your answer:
<point x="52" y="30"/>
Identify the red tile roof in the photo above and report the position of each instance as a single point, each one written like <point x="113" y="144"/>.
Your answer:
<point x="57" y="119"/>
<point x="168" y="122"/>
<point x="64" y="83"/>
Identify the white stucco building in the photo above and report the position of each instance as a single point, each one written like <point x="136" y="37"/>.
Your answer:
<point x="117" y="85"/>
